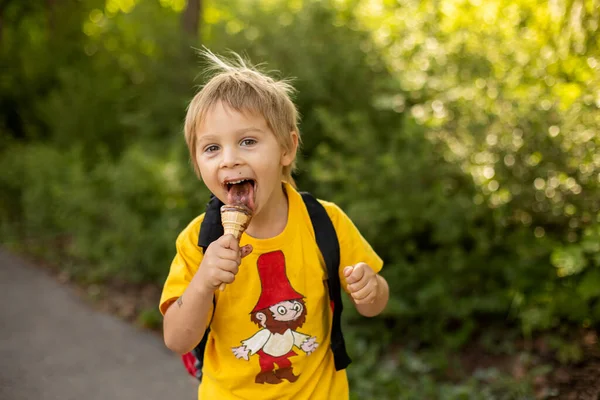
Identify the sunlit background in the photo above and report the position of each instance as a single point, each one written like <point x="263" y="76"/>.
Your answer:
<point x="460" y="136"/>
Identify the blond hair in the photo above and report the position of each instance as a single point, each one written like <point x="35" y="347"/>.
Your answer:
<point x="245" y="89"/>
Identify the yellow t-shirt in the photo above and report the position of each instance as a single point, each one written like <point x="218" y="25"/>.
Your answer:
<point x="270" y="332"/>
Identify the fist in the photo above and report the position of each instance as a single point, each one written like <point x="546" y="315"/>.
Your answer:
<point x="221" y="262"/>
<point x="362" y="283"/>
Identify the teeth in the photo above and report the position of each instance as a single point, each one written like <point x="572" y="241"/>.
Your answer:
<point x="236" y="182"/>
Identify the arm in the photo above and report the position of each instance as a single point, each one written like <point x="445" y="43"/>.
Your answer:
<point x="257" y="341"/>
<point x="359" y="265"/>
<point x="186" y="318"/>
<point x="304" y="342"/>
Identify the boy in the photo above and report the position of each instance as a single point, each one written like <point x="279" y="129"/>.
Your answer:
<point x="271" y="325"/>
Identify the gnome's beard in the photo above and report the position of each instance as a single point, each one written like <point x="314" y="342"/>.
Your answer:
<point x="275" y="326"/>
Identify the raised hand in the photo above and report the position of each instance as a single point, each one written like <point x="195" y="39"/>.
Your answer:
<point x="362" y="283"/>
<point x="221" y="262"/>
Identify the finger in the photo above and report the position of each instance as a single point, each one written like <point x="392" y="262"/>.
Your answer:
<point x="229" y="254"/>
<point x="347" y="271"/>
<point x="221" y="279"/>
<point x="229" y="242"/>
<point x="369" y="300"/>
<point x="225" y="277"/>
<point x="357" y="273"/>
<point x="365" y="292"/>
<point x="229" y="266"/>
<point x="356" y="286"/>
<point x="244" y="251"/>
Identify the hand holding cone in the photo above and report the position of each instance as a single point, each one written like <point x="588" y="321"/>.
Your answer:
<point x="235" y="219"/>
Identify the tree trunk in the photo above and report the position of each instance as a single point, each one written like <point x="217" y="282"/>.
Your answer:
<point x="3" y="6"/>
<point x="191" y="17"/>
<point x="50" y="4"/>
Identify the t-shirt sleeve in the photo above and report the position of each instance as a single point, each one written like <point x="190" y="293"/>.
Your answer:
<point x="184" y="266"/>
<point x="354" y="248"/>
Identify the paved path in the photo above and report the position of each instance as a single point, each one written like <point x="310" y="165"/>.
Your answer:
<point x="55" y="347"/>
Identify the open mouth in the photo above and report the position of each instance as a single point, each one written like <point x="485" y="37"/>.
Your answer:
<point x="241" y="192"/>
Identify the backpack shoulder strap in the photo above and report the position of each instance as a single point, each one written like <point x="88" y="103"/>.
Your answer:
<point x="211" y="228"/>
<point x="198" y="351"/>
<point x="328" y="243"/>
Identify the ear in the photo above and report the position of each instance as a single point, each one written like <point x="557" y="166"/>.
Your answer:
<point x="262" y="318"/>
<point x="288" y="157"/>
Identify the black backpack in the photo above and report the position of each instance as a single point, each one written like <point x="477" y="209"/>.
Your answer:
<point x="327" y="241"/>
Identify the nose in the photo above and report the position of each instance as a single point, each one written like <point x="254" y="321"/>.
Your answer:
<point x="230" y="158"/>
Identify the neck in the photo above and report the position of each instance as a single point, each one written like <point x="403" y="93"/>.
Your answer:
<point x="272" y="218"/>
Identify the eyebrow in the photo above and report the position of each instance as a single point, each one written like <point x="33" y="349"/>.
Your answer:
<point x="212" y="137"/>
<point x="250" y="129"/>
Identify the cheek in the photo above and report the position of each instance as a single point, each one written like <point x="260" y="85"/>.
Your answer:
<point x="203" y="172"/>
<point x="206" y="168"/>
<point x="209" y="177"/>
<point x="279" y="317"/>
<point x="270" y="164"/>
<point x="201" y="166"/>
<point x="289" y="316"/>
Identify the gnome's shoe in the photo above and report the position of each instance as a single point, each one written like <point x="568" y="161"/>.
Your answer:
<point x="286" y="373"/>
<point x="267" y="377"/>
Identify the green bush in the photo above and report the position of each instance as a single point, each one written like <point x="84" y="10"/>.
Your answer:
<point x="115" y="219"/>
<point x="427" y="171"/>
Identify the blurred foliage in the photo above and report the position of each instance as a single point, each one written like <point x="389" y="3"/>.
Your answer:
<point x="460" y="136"/>
<point x="150" y="318"/>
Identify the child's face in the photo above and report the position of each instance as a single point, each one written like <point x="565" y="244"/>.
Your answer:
<point x="233" y="146"/>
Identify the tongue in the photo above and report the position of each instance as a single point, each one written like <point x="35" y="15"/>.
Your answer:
<point x="241" y="194"/>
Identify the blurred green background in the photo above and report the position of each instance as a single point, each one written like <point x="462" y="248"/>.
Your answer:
<point x="461" y="137"/>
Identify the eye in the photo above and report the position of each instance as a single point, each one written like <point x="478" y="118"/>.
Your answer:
<point x="297" y="307"/>
<point x="281" y="310"/>
<point x="248" y="142"/>
<point x="211" y="148"/>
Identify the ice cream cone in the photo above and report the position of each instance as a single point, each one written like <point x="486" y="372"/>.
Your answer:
<point x="235" y="220"/>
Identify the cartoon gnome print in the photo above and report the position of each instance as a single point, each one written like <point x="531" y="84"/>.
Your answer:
<point x="279" y="312"/>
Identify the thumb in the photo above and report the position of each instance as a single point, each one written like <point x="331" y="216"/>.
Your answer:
<point x="348" y="271"/>
<point x="229" y="242"/>
<point x="245" y="250"/>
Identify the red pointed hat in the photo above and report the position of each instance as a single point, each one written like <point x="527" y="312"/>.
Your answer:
<point x="276" y="286"/>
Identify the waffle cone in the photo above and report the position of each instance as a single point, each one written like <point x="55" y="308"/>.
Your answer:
<point x="235" y="220"/>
